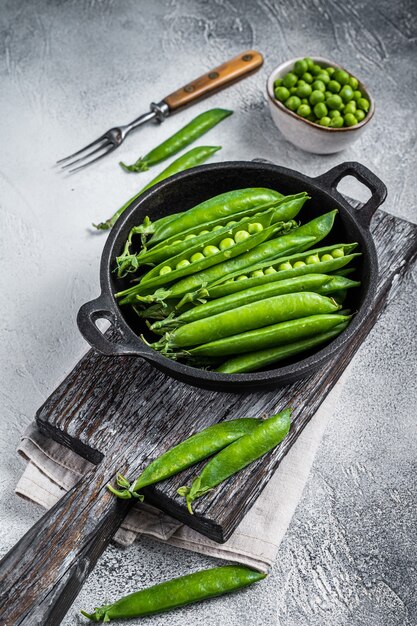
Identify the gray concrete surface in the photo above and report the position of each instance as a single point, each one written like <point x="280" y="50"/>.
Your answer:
<point x="68" y="70"/>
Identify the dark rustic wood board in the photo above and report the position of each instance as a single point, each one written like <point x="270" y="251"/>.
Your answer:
<point x="123" y="407"/>
<point x="120" y="413"/>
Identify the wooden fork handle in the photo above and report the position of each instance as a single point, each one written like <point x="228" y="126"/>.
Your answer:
<point x="216" y="79"/>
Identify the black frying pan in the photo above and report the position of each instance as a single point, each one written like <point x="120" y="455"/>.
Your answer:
<point x="187" y="189"/>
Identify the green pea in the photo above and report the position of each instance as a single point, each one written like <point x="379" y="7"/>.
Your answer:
<point x="346" y="93"/>
<point x="307" y="78"/>
<point x="357" y="95"/>
<point x="293" y="103"/>
<point x="315" y="70"/>
<point x="226" y="243"/>
<point x="210" y="250"/>
<point x="324" y="77"/>
<point x="330" y="70"/>
<point x="350" y="119"/>
<point x="277" y="83"/>
<point x="298" y="264"/>
<point x="363" y="104"/>
<point x="270" y="270"/>
<point x="341" y="77"/>
<point x="282" y="94"/>
<point x="177" y="241"/>
<point x="198" y="256"/>
<point x="337" y="122"/>
<point x="241" y="235"/>
<point x="257" y="274"/>
<point x="334" y="102"/>
<point x="320" y="110"/>
<point x="255" y="227"/>
<point x="334" y="113"/>
<point x="182" y="264"/>
<point x="300" y="67"/>
<point x="218" y="227"/>
<point x="312" y="258"/>
<point x="318" y="85"/>
<point x="190" y="236"/>
<point x="326" y="257"/>
<point x="204" y="232"/>
<point x="337" y="253"/>
<point x="303" y="110"/>
<point x="325" y="121"/>
<point x="304" y="101"/>
<point x="231" y="223"/>
<point x="350" y="107"/>
<point x="289" y="80"/>
<point x="293" y="90"/>
<point x="243" y="277"/>
<point x="285" y="266"/>
<point x="360" y="115"/>
<point x="303" y="91"/>
<point x="334" y="86"/>
<point x="309" y="62"/>
<point x="316" y="97"/>
<point x="165" y="270"/>
<point x="353" y="82"/>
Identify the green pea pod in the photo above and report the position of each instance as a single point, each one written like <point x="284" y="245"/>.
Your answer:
<point x="224" y="257"/>
<point x="311" y="282"/>
<point x="178" y="592"/>
<point x="224" y="205"/>
<point x="338" y="283"/>
<point x="223" y="288"/>
<point x="269" y="336"/>
<point x="180" y="140"/>
<point x="285" y="210"/>
<point x="238" y="455"/>
<point x="189" y="452"/>
<point x="190" y="159"/>
<point x="261" y="359"/>
<point x="250" y="316"/>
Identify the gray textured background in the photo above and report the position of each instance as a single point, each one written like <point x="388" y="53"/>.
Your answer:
<point x="69" y="70"/>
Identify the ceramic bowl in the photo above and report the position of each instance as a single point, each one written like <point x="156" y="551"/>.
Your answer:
<point x="305" y="134"/>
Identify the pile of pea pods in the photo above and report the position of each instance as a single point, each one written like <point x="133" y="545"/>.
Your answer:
<point x="236" y="284"/>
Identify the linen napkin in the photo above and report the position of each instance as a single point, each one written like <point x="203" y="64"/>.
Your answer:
<point x="53" y="469"/>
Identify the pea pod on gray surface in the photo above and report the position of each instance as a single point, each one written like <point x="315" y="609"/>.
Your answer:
<point x="190" y="451"/>
<point x="311" y="282"/>
<point x="255" y="361"/>
<point x="270" y="336"/>
<point x="217" y="207"/>
<point x="238" y="455"/>
<point x="181" y="139"/>
<point x="190" y="159"/>
<point x="247" y="317"/>
<point x="178" y="592"/>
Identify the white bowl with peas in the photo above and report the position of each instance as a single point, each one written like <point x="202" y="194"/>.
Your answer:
<point x="318" y="105"/>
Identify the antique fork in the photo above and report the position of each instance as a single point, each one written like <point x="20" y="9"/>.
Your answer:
<point x="218" y="78"/>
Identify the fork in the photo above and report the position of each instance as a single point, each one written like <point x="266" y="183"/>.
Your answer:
<point x="220" y="77"/>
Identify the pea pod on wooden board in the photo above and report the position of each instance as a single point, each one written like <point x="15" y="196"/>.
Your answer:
<point x="247" y="317"/>
<point x="223" y="205"/>
<point x="285" y="210"/>
<point x="190" y="159"/>
<point x="270" y="336"/>
<point x="255" y="361"/>
<point x="178" y="592"/>
<point x="311" y="282"/>
<point x="238" y="455"/>
<point x="189" y="452"/>
<point x="180" y="140"/>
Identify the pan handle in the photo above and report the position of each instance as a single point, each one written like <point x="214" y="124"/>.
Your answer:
<point x="332" y="178"/>
<point x="101" y="308"/>
<point x="42" y="574"/>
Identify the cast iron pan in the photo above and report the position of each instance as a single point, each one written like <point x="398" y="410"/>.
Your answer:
<point x="187" y="189"/>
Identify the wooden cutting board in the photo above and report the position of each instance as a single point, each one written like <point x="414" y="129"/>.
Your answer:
<point x="120" y="413"/>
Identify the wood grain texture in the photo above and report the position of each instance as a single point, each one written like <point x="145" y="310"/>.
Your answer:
<point x="218" y="78"/>
<point x="120" y="413"/>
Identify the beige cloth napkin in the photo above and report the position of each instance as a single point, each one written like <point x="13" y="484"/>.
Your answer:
<point x="52" y="470"/>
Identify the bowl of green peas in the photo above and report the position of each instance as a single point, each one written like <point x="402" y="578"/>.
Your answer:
<point x="318" y="105"/>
